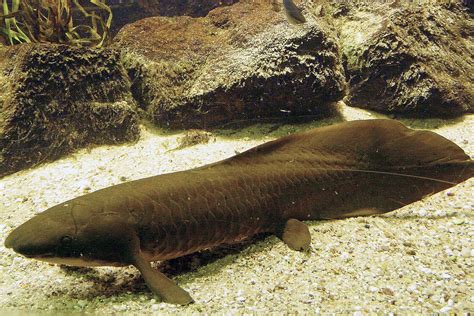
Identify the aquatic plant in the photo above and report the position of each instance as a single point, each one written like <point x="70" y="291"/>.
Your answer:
<point x="8" y="24"/>
<point x="54" y="21"/>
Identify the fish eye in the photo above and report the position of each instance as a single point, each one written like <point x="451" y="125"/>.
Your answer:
<point x="66" y="240"/>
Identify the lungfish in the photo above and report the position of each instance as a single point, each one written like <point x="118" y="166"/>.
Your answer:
<point x="349" y="169"/>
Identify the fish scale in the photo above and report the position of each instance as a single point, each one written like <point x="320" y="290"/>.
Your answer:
<point x="349" y="169"/>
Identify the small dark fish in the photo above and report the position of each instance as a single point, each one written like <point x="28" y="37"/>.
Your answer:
<point x="293" y="13"/>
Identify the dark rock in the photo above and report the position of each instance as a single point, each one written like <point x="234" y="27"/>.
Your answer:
<point x="57" y="98"/>
<point x="409" y="59"/>
<point x="125" y="12"/>
<point x="242" y="62"/>
<point x="194" y="8"/>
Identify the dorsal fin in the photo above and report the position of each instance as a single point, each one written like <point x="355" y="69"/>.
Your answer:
<point x="383" y="143"/>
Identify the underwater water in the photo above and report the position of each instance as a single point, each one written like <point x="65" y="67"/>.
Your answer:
<point x="179" y="85"/>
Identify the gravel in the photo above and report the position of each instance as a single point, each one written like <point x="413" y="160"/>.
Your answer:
<point x="418" y="259"/>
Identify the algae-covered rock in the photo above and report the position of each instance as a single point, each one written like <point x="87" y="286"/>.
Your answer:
<point x="408" y="58"/>
<point x="241" y="62"/>
<point x="129" y="11"/>
<point x="57" y="98"/>
<point x="182" y="7"/>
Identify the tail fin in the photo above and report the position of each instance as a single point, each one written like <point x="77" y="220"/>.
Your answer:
<point x="401" y="165"/>
<point x="381" y="165"/>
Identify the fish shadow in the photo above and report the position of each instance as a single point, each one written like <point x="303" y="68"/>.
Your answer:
<point x="428" y="122"/>
<point x="119" y="283"/>
<point x="123" y="282"/>
<point x="276" y="127"/>
<point x="432" y="216"/>
<point x="195" y="261"/>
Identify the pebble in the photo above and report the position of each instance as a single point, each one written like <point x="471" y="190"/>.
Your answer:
<point x="448" y="251"/>
<point x="467" y="252"/>
<point x="345" y="256"/>
<point x="445" y="309"/>
<point x="17" y="260"/>
<point x="240" y="299"/>
<point x="82" y="184"/>
<point x="384" y="247"/>
<point x="425" y="270"/>
<point x="412" y="288"/>
<point x="81" y="303"/>
<point x="387" y="291"/>
<point x="423" y="213"/>
<point x="458" y="221"/>
<point x="120" y="308"/>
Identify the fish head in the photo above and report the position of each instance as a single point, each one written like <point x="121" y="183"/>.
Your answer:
<point x="72" y="233"/>
<point x="48" y="234"/>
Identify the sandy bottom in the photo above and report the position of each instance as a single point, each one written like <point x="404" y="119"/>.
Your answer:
<point x="416" y="259"/>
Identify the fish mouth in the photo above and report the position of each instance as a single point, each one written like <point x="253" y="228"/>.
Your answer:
<point x="9" y="241"/>
<point x="56" y="258"/>
<point x="35" y="255"/>
<point x="79" y="261"/>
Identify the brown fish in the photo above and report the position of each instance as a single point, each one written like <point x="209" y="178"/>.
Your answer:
<point x="349" y="169"/>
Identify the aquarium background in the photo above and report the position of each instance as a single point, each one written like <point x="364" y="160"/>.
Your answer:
<point x="123" y="90"/>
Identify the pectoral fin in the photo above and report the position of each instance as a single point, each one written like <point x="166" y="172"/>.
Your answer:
<point x="295" y="234"/>
<point x="160" y="284"/>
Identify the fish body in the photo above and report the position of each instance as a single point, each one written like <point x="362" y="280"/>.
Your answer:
<point x="349" y="169"/>
<point x="293" y="13"/>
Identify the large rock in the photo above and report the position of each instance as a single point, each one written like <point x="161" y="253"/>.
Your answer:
<point x="408" y="59"/>
<point x="125" y="12"/>
<point x="240" y="62"/>
<point x="57" y="98"/>
<point x="193" y="8"/>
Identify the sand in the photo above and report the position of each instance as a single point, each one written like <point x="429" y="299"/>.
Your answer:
<point x="416" y="259"/>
